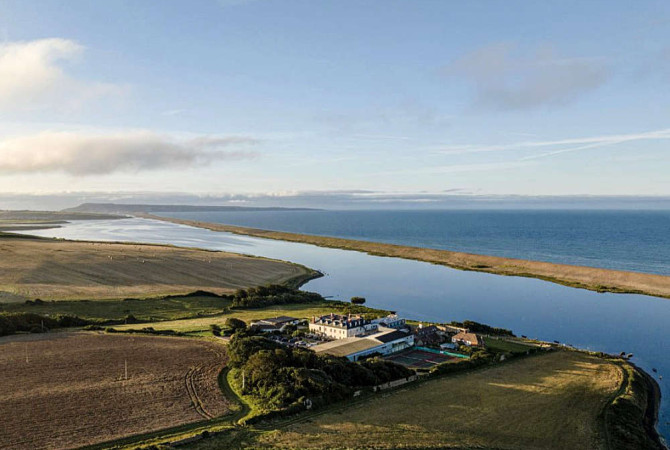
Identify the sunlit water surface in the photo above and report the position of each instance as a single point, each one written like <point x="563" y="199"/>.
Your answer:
<point x="606" y="322"/>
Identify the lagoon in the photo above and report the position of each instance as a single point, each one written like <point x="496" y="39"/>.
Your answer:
<point x="604" y="322"/>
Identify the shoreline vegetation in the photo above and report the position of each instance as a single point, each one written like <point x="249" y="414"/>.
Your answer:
<point x="615" y="413"/>
<point x="591" y="278"/>
<point x="626" y="411"/>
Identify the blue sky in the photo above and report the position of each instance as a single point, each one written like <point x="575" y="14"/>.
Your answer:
<point x="286" y="98"/>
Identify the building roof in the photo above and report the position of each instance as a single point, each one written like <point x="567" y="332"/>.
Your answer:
<point x="348" y="346"/>
<point x="430" y="329"/>
<point x="340" y="321"/>
<point x="345" y="347"/>
<point x="264" y="326"/>
<point x="279" y="319"/>
<point x="467" y="337"/>
<point x="389" y="336"/>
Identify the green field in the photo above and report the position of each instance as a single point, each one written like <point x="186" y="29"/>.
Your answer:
<point x="192" y="315"/>
<point x="503" y="345"/>
<point x="201" y="324"/>
<point x="550" y="401"/>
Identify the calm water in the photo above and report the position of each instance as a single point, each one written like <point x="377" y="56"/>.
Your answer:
<point x="624" y="240"/>
<point x="606" y="322"/>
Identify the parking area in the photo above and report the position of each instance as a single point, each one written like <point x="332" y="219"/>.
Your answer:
<point x="419" y="359"/>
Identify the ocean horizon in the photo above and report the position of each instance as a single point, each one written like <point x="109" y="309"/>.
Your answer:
<point x="637" y="241"/>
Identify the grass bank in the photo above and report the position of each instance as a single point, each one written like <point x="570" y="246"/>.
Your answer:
<point x="591" y="278"/>
<point x="52" y="269"/>
<point x="549" y="401"/>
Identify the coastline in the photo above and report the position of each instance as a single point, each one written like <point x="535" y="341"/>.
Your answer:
<point x="590" y="278"/>
<point x="631" y="417"/>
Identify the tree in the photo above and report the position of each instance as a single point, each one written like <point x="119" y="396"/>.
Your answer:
<point x="236" y="324"/>
<point x="216" y="330"/>
<point x="357" y="300"/>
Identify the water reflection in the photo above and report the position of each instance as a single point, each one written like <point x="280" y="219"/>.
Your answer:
<point x="422" y="291"/>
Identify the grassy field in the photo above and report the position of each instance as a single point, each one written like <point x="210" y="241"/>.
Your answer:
<point x="602" y="280"/>
<point x="57" y="269"/>
<point x="202" y="324"/>
<point x="551" y="401"/>
<point x="151" y="309"/>
<point x="66" y="390"/>
<point x="505" y="345"/>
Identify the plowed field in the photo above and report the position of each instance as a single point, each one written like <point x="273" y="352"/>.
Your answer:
<point x="70" y="389"/>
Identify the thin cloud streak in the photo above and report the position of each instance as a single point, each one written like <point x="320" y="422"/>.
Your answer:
<point x="589" y="142"/>
<point x="458" y="168"/>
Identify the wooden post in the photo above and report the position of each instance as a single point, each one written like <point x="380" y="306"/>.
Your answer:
<point x="126" y="368"/>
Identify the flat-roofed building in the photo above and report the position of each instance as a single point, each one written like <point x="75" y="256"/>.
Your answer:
<point x="385" y="342"/>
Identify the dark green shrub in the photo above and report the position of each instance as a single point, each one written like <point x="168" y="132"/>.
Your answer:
<point x="274" y="294"/>
<point x="476" y="327"/>
<point x="236" y="324"/>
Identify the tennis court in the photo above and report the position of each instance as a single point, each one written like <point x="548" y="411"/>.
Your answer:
<point x="419" y="359"/>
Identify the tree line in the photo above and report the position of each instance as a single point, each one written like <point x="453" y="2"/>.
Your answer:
<point x="283" y="378"/>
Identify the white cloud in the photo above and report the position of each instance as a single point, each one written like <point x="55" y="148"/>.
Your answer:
<point x="33" y="76"/>
<point x="504" y="79"/>
<point x="91" y="154"/>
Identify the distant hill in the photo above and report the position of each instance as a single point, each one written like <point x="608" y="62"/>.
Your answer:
<point x="54" y="216"/>
<point x="114" y="208"/>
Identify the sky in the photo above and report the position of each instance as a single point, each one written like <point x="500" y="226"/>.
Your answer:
<point x="262" y="100"/>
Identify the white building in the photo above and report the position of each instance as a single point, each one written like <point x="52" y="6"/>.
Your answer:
<point x="337" y="326"/>
<point x="385" y="342"/>
<point x="390" y="321"/>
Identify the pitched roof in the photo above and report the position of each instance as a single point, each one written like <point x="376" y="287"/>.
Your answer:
<point x="469" y="337"/>
<point x="430" y="329"/>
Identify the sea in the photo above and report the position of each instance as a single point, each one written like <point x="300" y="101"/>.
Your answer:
<point x="608" y="322"/>
<point x="636" y="241"/>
